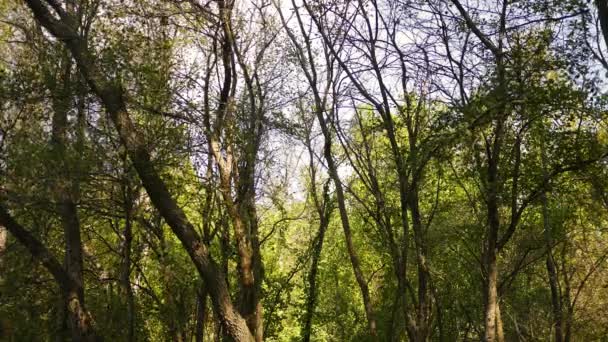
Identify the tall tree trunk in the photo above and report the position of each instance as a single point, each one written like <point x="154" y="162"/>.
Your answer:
<point x="493" y="146"/>
<point x="311" y="298"/>
<point x="423" y="305"/>
<point x="491" y="249"/>
<point x="491" y="297"/>
<point x="493" y="226"/>
<point x="241" y="208"/>
<point x="493" y="321"/>
<point x="201" y="314"/>
<point x="352" y="253"/>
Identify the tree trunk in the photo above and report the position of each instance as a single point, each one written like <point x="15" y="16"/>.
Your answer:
<point x="201" y="314"/>
<point x="567" y="297"/>
<point x="491" y="298"/>
<point x="80" y="320"/>
<point x="602" y="6"/>
<point x="352" y="253"/>
<point x="491" y="263"/>
<point x="555" y="297"/>
<point x="423" y="305"/>
<point x="244" y="222"/>
<point x="500" y="333"/>
<point x="241" y="208"/>
<point x="493" y="227"/>
<point x="311" y="298"/>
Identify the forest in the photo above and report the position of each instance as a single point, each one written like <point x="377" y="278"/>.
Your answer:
<point x="304" y="170"/>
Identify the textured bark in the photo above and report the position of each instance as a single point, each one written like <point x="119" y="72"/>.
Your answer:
<point x="311" y="296"/>
<point x="491" y="298"/>
<point x="493" y="226"/>
<point x="111" y="96"/>
<point x="491" y="251"/>
<point x="500" y="334"/>
<point x="240" y="208"/>
<point x="201" y="314"/>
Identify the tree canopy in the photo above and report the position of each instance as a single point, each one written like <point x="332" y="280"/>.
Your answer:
<point x="303" y="170"/>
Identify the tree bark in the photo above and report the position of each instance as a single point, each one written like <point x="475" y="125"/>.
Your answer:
<point x="201" y="314"/>
<point x="423" y="305"/>
<point x="491" y="248"/>
<point x="240" y="208"/>
<point x="493" y="155"/>
<point x="311" y="298"/>
<point x="324" y="210"/>
<point x="491" y="297"/>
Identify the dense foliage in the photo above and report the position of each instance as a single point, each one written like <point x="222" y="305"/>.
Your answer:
<point x="240" y="170"/>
